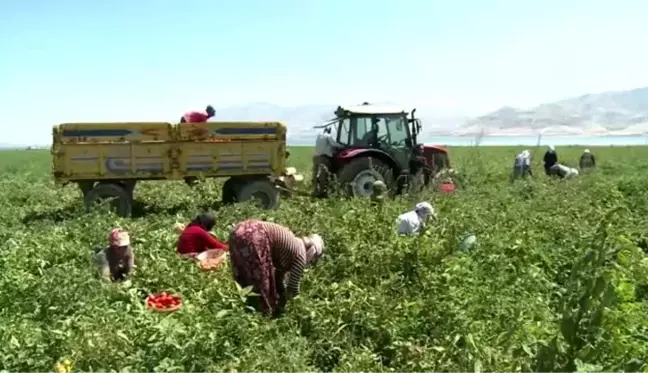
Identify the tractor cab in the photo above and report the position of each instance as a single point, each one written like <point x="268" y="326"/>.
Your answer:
<point x="384" y="128"/>
<point x="378" y="142"/>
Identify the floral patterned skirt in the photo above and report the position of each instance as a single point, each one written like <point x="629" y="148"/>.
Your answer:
<point x="251" y="256"/>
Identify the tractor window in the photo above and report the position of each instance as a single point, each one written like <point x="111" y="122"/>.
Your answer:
<point x="362" y="131"/>
<point x="383" y="133"/>
<point x="397" y="131"/>
<point x="343" y="132"/>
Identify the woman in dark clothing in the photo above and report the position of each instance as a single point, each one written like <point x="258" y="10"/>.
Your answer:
<point x="587" y="161"/>
<point x="550" y="159"/>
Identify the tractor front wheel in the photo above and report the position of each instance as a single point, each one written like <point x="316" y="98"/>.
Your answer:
<point x="358" y="176"/>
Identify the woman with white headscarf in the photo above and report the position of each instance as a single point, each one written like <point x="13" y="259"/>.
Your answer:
<point x="263" y="254"/>
<point x="411" y="222"/>
<point x="522" y="165"/>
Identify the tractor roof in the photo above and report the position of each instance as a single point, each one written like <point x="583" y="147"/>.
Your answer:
<point x="374" y="109"/>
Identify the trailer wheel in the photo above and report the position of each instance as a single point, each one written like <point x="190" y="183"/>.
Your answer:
<point x="263" y="191"/>
<point x="121" y="201"/>
<point x="229" y="190"/>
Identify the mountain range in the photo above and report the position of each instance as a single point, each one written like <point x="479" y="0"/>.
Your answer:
<point x="618" y="113"/>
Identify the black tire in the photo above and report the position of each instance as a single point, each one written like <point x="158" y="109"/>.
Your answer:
<point x="373" y="168"/>
<point x="263" y="190"/>
<point x="191" y="181"/>
<point x="229" y="190"/>
<point x="123" y="200"/>
<point x="86" y="187"/>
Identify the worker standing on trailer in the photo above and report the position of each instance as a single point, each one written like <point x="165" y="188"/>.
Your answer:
<point x="587" y="161"/>
<point x="325" y="147"/>
<point x="550" y="159"/>
<point x="522" y="165"/>
<point x="198" y="116"/>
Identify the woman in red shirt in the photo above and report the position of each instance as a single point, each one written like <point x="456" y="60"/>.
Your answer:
<point x="195" y="238"/>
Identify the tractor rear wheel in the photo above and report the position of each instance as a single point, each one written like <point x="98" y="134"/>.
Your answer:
<point x="358" y="176"/>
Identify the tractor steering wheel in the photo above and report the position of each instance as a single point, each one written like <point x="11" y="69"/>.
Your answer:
<point x="399" y="142"/>
<point x="382" y="139"/>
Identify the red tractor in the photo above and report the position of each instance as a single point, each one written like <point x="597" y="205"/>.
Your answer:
<point x="379" y="143"/>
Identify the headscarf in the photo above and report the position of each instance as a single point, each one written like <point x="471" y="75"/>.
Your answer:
<point x="586" y="151"/>
<point x="424" y="210"/>
<point x="118" y="238"/>
<point x="378" y="189"/>
<point x="551" y="148"/>
<point x="206" y="221"/>
<point x="526" y="153"/>
<point x="314" y="247"/>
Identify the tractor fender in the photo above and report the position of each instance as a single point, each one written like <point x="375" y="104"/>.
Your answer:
<point x="348" y="154"/>
<point x="430" y="150"/>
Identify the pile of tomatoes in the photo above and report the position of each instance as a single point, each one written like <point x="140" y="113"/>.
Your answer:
<point x="164" y="302"/>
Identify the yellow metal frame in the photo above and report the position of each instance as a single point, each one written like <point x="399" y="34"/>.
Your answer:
<point x="158" y="150"/>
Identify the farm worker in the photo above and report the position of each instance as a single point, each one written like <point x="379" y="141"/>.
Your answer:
<point x="263" y="254"/>
<point x="117" y="260"/>
<point x="195" y="238"/>
<point x="550" y="159"/>
<point x="587" y="160"/>
<point x="198" y="116"/>
<point x="325" y="146"/>
<point x="522" y="165"/>
<point x="378" y="191"/>
<point x="563" y="171"/>
<point x="411" y="222"/>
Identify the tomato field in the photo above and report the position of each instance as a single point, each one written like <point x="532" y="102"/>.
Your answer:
<point x="557" y="279"/>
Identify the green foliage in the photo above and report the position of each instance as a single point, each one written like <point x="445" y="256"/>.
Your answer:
<point x="557" y="279"/>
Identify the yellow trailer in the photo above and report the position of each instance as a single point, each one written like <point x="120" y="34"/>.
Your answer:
<point x="106" y="160"/>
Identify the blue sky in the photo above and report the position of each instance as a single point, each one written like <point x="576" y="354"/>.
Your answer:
<point x="65" y="60"/>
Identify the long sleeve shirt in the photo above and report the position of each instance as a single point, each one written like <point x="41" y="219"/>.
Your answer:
<point x="522" y="160"/>
<point x="195" y="117"/>
<point x="112" y="265"/>
<point x="288" y="257"/>
<point x="194" y="239"/>
<point x="587" y="160"/>
<point x="550" y="158"/>
<point x="409" y="223"/>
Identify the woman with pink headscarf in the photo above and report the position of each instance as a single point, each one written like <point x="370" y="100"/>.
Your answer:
<point x="265" y="254"/>
<point x="117" y="260"/>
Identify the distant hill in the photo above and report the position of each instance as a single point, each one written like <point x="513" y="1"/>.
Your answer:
<point x="301" y="119"/>
<point x="608" y="113"/>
